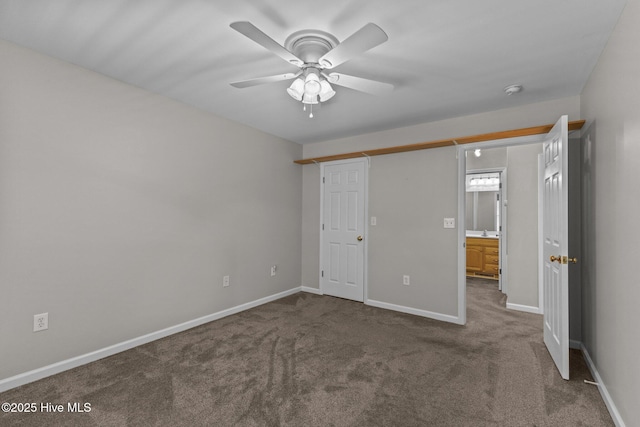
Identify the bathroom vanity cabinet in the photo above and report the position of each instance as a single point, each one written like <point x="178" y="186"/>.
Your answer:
<point x="483" y="257"/>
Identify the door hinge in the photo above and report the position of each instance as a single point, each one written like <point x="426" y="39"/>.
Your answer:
<point x="322" y="273"/>
<point x="322" y="227"/>
<point x="500" y="271"/>
<point x="323" y="179"/>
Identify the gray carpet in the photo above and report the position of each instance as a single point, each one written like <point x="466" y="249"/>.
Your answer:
<point x="309" y="360"/>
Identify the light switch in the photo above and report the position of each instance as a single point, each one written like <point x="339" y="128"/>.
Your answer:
<point x="373" y="220"/>
<point x="449" y="223"/>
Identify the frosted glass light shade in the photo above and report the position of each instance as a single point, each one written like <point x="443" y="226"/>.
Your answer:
<point x="309" y="99"/>
<point x="326" y="91"/>
<point x="312" y="84"/>
<point x="296" y="90"/>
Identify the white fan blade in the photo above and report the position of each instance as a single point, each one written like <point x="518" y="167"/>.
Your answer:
<point x="359" y="42"/>
<point x="263" y="80"/>
<point x="255" y="34"/>
<point x="358" y="83"/>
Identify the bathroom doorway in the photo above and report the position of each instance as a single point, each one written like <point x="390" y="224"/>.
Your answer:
<point x="484" y="216"/>
<point x="513" y="208"/>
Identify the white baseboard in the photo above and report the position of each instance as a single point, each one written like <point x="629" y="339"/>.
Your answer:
<point x="415" y="311"/>
<point x="311" y="290"/>
<point x="525" y="308"/>
<point x="613" y="410"/>
<point x="45" y="371"/>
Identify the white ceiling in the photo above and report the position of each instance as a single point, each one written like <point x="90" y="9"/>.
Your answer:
<point x="446" y="58"/>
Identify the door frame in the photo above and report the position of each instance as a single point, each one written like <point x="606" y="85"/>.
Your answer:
<point x="367" y="164"/>
<point x="502" y="239"/>
<point x="462" y="172"/>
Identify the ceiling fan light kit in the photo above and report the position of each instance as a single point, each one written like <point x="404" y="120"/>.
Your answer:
<point x="314" y="51"/>
<point x="311" y="89"/>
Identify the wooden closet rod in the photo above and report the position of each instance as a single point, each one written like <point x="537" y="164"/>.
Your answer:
<point x="536" y="130"/>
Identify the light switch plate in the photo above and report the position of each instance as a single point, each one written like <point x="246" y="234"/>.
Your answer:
<point x="449" y="223"/>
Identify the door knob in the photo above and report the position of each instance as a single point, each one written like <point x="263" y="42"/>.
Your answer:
<point x="563" y="259"/>
<point x="359" y="238"/>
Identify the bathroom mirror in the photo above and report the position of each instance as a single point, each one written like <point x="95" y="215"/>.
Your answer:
<point x="482" y="204"/>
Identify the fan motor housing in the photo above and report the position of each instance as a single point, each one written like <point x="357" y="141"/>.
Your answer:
<point x="310" y="45"/>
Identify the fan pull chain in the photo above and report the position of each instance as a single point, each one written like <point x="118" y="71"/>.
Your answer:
<point x="304" y="108"/>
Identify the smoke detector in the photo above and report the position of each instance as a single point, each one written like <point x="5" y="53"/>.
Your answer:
<point x="510" y="90"/>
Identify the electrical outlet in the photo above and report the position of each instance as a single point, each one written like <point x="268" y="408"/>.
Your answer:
<point x="449" y="223"/>
<point x="40" y="322"/>
<point x="406" y="280"/>
<point x="225" y="281"/>
<point x="274" y="268"/>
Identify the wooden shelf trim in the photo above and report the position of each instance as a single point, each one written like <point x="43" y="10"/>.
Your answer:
<point x="536" y="130"/>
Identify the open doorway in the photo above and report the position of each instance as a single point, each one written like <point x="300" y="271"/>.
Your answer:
<point x="508" y="236"/>
<point x="485" y="214"/>
<point x="515" y="214"/>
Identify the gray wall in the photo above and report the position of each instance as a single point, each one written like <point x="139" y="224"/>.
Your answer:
<point x="120" y="211"/>
<point x="425" y="181"/>
<point x="522" y="214"/>
<point x="490" y="158"/>
<point x="610" y="103"/>
<point x="409" y="206"/>
<point x="409" y="237"/>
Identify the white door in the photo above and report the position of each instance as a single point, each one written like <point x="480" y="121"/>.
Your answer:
<point x="343" y="226"/>
<point x="555" y="244"/>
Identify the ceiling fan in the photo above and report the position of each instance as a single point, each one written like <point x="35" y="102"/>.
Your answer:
<point x="315" y="52"/>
